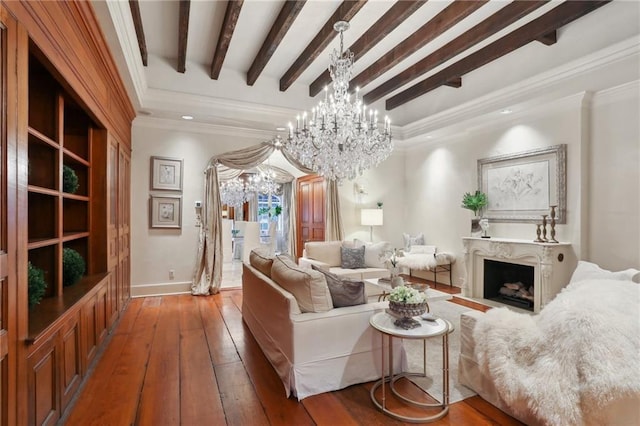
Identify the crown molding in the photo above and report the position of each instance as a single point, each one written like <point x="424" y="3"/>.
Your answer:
<point x="615" y="94"/>
<point x="526" y="90"/>
<point x="202" y="128"/>
<point x="125" y="32"/>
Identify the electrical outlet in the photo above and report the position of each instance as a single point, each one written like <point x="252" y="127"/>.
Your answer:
<point x="172" y="274"/>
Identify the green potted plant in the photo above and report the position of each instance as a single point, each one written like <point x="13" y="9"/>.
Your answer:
<point x="69" y="180"/>
<point x="36" y="284"/>
<point x="475" y="202"/>
<point x="73" y="266"/>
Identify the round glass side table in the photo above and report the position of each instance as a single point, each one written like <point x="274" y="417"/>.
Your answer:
<point x="383" y="322"/>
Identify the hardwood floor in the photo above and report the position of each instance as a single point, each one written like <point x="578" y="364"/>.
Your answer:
<point x="185" y="360"/>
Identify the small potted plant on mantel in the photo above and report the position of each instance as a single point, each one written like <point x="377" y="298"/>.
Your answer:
<point x="475" y="202"/>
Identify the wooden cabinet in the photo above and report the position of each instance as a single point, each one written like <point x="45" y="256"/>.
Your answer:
<point x="63" y="109"/>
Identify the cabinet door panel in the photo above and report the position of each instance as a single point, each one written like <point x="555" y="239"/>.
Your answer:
<point x="71" y="366"/>
<point x="43" y="384"/>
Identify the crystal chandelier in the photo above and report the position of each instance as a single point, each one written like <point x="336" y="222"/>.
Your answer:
<point x="341" y="138"/>
<point x="234" y="192"/>
<point x="264" y="182"/>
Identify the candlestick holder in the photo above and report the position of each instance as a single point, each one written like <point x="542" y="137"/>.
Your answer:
<point x="544" y="227"/>
<point x="538" y="239"/>
<point x="553" y="224"/>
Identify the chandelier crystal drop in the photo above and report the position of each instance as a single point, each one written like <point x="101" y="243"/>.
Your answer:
<point x="341" y="137"/>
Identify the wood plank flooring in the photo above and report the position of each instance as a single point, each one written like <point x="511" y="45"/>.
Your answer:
<point x="185" y="360"/>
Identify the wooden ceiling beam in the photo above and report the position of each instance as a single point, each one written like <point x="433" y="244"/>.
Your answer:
<point x="442" y="22"/>
<point x="549" y="39"/>
<point x="137" y="23"/>
<point x="455" y="82"/>
<point x="494" y="23"/>
<point x="556" y="18"/>
<point x="345" y="12"/>
<point x="396" y="15"/>
<point x="280" y="27"/>
<point x="183" y="33"/>
<point x="224" y="39"/>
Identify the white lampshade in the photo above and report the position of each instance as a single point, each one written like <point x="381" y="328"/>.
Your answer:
<point x="371" y="217"/>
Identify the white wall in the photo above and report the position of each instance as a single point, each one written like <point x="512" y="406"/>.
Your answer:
<point x="438" y="174"/>
<point x="155" y="251"/>
<point x="614" y="201"/>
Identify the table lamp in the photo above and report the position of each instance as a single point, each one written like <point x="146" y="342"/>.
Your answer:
<point x="371" y="218"/>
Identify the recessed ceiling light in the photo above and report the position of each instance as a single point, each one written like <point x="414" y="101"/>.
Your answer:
<point x="506" y="111"/>
<point x="187" y="117"/>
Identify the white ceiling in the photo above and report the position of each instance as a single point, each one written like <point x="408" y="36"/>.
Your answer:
<point x="160" y="91"/>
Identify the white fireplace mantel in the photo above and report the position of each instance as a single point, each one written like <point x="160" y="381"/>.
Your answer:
<point x="553" y="264"/>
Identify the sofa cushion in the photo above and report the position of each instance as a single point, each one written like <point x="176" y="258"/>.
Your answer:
<point x="344" y="291"/>
<point x="261" y="260"/>
<point x="352" y="258"/>
<point x="410" y="240"/>
<point x="374" y="253"/>
<point x="309" y="287"/>
<point x="324" y="251"/>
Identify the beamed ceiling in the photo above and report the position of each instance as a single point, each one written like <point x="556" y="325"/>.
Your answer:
<point x="254" y="64"/>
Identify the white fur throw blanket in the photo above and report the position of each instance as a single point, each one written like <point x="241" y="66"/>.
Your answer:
<point x="424" y="261"/>
<point x="564" y="365"/>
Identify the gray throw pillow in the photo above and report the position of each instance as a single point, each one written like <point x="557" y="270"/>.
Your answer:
<point x="344" y="291"/>
<point x="352" y="258"/>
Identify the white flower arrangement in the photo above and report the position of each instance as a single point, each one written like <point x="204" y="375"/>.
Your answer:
<point x="403" y="294"/>
<point x="391" y="256"/>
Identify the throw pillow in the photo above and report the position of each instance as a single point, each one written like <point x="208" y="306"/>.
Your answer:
<point x="412" y="240"/>
<point x="590" y="271"/>
<point x="309" y="287"/>
<point x="260" y="259"/>
<point x="352" y="258"/>
<point x="374" y="253"/>
<point x="344" y="291"/>
<point x="422" y="249"/>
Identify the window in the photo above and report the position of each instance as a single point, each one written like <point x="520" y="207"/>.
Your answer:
<point x="263" y="213"/>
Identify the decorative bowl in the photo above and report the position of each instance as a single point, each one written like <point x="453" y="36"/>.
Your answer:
<point x="408" y="310"/>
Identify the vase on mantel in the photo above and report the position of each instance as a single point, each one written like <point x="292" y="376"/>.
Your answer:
<point x="476" y="229"/>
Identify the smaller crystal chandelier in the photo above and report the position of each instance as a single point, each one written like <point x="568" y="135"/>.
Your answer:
<point x="234" y="192"/>
<point x="264" y="182"/>
<point x="340" y="139"/>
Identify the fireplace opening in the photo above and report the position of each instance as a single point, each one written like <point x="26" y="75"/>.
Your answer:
<point x="509" y="283"/>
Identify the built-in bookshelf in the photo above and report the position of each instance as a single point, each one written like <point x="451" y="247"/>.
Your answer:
<point x="61" y="135"/>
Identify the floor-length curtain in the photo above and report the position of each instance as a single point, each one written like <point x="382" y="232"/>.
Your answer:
<point x="207" y="276"/>
<point x="293" y="218"/>
<point x="208" y="272"/>
<point x="285" y="246"/>
<point x="333" y="220"/>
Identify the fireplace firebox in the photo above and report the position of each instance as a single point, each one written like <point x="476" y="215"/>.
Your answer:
<point x="509" y="283"/>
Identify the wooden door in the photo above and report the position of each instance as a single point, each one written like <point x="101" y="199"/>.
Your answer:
<point x="311" y="210"/>
<point x="124" y="233"/>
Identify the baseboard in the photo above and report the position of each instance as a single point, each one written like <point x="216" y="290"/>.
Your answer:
<point x="161" y="289"/>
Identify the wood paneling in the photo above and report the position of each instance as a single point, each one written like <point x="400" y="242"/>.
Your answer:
<point x="69" y="35"/>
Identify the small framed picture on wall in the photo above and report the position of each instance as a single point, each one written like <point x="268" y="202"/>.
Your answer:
<point x="166" y="174"/>
<point x="165" y="211"/>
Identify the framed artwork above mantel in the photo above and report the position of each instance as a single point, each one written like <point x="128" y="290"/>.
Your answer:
<point x="521" y="187"/>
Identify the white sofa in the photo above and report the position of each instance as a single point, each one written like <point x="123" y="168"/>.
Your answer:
<point x="326" y="255"/>
<point x="575" y="363"/>
<point x="313" y="352"/>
